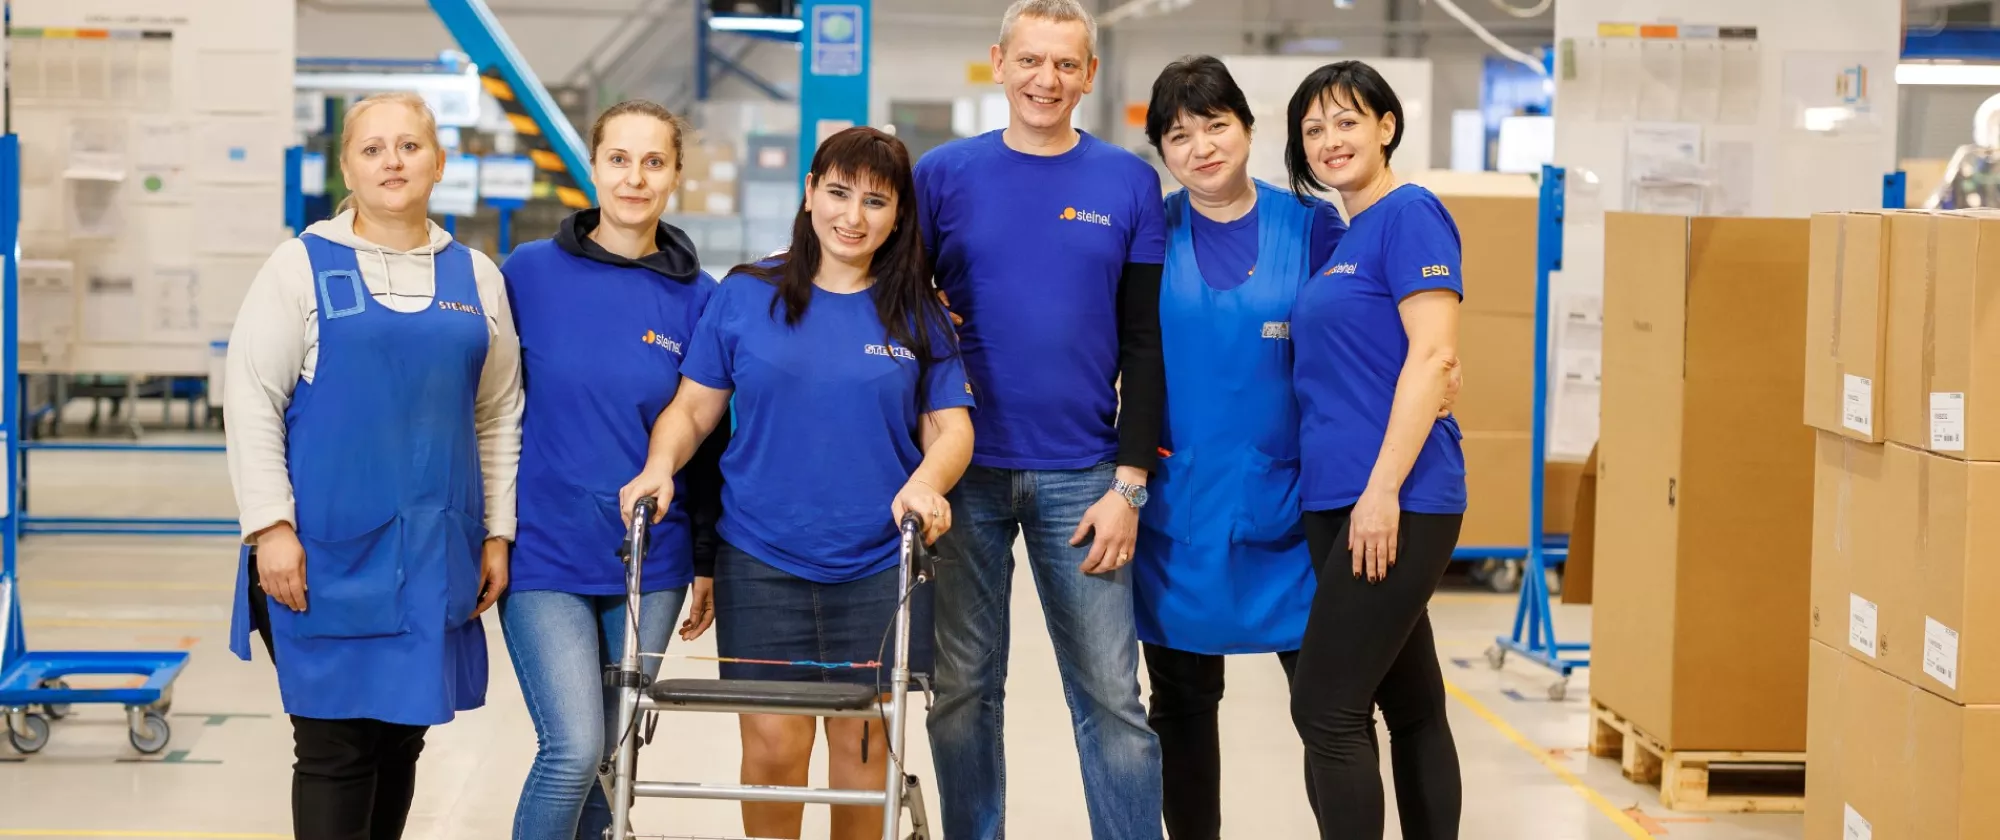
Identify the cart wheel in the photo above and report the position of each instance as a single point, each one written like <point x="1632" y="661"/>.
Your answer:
<point x="34" y="738"/>
<point x="155" y="736"/>
<point x="56" y="711"/>
<point x="1559" y="689"/>
<point x="1506" y="576"/>
<point x="1496" y="656"/>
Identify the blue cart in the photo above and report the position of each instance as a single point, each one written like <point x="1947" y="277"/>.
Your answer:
<point x="34" y="687"/>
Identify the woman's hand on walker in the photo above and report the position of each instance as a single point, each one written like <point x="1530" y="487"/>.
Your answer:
<point x="281" y="566"/>
<point x="660" y="487"/>
<point x="493" y="570"/>
<point x="701" y="614"/>
<point x="928" y="503"/>
<point x="1371" y="534"/>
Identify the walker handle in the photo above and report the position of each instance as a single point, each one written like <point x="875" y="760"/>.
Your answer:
<point x="922" y="560"/>
<point x="642" y="523"/>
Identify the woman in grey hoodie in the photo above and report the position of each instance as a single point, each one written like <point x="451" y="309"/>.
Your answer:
<point x="373" y="438"/>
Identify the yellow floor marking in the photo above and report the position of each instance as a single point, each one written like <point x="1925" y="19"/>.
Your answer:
<point x="148" y="585"/>
<point x="1618" y="817"/>
<point x="184" y="835"/>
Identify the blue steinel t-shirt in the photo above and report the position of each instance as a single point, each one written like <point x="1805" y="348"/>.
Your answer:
<point x="601" y="348"/>
<point x="1348" y="337"/>
<point x="826" y="428"/>
<point x="1030" y="250"/>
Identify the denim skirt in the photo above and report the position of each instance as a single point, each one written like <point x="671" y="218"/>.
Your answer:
<point x="763" y="612"/>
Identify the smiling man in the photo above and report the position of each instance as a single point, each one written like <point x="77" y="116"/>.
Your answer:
<point x="1048" y="243"/>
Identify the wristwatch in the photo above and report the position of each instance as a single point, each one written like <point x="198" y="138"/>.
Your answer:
<point x="1135" y="494"/>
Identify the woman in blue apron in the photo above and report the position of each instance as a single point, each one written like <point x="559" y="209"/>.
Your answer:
<point x="606" y="310"/>
<point x="1221" y="566"/>
<point x="373" y="431"/>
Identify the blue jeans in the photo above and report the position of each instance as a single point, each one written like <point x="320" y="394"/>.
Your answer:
<point x="561" y="643"/>
<point x="1097" y="653"/>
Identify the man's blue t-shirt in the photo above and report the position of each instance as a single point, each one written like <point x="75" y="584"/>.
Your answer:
<point x="1348" y="337"/>
<point x="1226" y="252"/>
<point x="1030" y="250"/>
<point x="827" y="426"/>
<point x="601" y="348"/>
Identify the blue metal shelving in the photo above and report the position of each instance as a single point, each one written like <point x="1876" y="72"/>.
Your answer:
<point x="33" y="688"/>
<point x="1534" y="635"/>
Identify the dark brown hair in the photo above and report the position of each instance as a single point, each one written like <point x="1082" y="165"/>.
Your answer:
<point x="904" y="300"/>
<point x="644" y="107"/>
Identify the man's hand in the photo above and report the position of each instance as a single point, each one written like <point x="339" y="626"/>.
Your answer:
<point x="946" y="301"/>
<point x="1112" y="526"/>
<point x="493" y="567"/>
<point x="702" y="613"/>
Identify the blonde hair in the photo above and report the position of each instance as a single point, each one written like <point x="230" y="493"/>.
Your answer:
<point x="402" y="97"/>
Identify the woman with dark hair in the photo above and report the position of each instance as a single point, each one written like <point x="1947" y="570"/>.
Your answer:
<point x="853" y="409"/>
<point x="1221" y="566"/>
<point x="1382" y="479"/>
<point x="604" y="309"/>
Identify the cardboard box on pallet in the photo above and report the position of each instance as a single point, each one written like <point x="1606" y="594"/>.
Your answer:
<point x="1890" y="761"/>
<point x="1846" y="318"/>
<point x="1943" y="370"/>
<point x="1850" y="568"/>
<point x="1705" y="485"/>
<point x="1497" y="491"/>
<point x="1938" y="623"/>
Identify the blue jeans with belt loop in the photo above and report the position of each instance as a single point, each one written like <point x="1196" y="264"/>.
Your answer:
<point x="561" y="643"/>
<point x="1090" y="621"/>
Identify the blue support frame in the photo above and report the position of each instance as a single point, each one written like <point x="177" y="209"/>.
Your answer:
<point x="295" y="194"/>
<point x="31" y="679"/>
<point x="835" y="64"/>
<point x="1534" y="636"/>
<point x="475" y="29"/>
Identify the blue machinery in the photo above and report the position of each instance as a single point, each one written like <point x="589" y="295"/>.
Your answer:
<point x="33" y="688"/>
<point x="1534" y="635"/>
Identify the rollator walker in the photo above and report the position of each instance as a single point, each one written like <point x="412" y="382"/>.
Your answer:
<point x="901" y="791"/>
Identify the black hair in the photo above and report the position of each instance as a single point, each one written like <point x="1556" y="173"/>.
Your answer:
<point x="1350" y="84"/>
<point x="909" y="309"/>
<point x="1198" y="85"/>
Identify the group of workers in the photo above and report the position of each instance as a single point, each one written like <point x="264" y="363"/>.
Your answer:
<point x="1219" y="422"/>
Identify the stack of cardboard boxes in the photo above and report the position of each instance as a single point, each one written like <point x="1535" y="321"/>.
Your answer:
<point x="708" y="177"/>
<point x="1705" y="483"/>
<point x="1903" y="357"/>
<point x="1496" y="404"/>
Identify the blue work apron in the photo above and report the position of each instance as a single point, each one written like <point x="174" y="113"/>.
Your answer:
<point x="1222" y="565"/>
<point x="390" y="505"/>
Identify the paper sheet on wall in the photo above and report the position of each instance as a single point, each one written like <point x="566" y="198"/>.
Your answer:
<point x="1835" y="93"/>
<point x="1624" y="78"/>
<point x="1663" y="168"/>
<point x="110" y="306"/>
<point x="1581" y="78"/>
<point x="96" y="149"/>
<point x="238" y="221"/>
<point x="159" y="161"/>
<point x="1660" y="87"/>
<point x="1732" y="165"/>
<point x="1578" y="375"/>
<point x="227" y="151"/>
<point x="94" y="211"/>
<point x="172" y="303"/>
<point x="1742" y="83"/>
<point x="1701" y="83"/>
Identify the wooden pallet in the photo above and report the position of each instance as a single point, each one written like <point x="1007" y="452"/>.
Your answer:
<point x="1701" y="781"/>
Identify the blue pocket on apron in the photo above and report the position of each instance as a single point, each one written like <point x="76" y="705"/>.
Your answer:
<point x="354" y="585"/>
<point x="1170" y="500"/>
<point x="464" y="558"/>
<point x="1268" y="508"/>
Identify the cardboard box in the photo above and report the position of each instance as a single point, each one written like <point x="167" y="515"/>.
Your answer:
<point x="1579" y="568"/>
<point x="1890" y="761"/>
<point x="1939" y="622"/>
<point x="1705" y="482"/>
<point x="1497" y="491"/>
<point x="1498" y="394"/>
<point x="1849" y="545"/>
<point x="1497" y="250"/>
<point x="1943" y="391"/>
<point x="1846" y="318"/>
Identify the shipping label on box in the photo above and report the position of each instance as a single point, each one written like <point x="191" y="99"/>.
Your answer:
<point x="1846" y="318"/>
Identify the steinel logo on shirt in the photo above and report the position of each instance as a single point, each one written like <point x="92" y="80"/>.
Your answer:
<point x="661" y="340"/>
<point x="891" y="351"/>
<point x="1071" y="214"/>
<point x="1343" y="268"/>
<point x="455" y="306"/>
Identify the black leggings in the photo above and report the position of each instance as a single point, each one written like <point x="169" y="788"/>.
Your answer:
<point x="351" y="779"/>
<point x="1368" y="645"/>
<point x="1183" y="709"/>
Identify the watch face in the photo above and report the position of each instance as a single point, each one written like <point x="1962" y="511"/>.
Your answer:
<point x="1139" y="496"/>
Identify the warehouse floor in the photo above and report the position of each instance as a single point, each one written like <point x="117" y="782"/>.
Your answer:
<point x="226" y="774"/>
